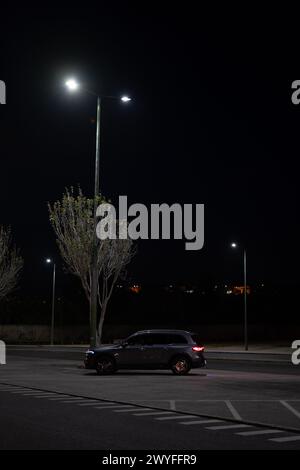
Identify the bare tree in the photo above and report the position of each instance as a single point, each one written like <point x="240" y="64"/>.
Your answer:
<point x="10" y="263"/>
<point x="73" y="222"/>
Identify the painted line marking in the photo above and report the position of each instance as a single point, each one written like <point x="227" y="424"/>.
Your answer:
<point x="35" y="394"/>
<point x="29" y="393"/>
<point x="172" y="405"/>
<point x="73" y="398"/>
<point x="202" y="421"/>
<point x="154" y="413"/>
<point x="11" y="389"/>
<point x="44" y="395"/>
<point x="285" y="439"/>
<point x="290" y="408"/>
<point x="230" y="426"/>
<point x="63" y="397"/>
<point x="165" y="418"/>
<point x="233" y="411"/>
<point x="257" y="433"/>
<point x="111" y="405"/>
<point x="76" y="402"/>
<point x="115" y="407"/>
<point x="90" y="403"/>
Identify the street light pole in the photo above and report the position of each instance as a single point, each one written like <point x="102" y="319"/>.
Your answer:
<point x="53" y="305"/>
<point x="73" y="85"/>
<point x="245" y="302"/>
<point x="234" y="245"/>
<point x="94" y="277"/>
<point x="48" y="260"/>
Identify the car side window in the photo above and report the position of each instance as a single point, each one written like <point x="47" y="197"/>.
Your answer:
<point x="155" y="339"/>
<point x="137" y="340"/>
<point x="177" y="339"/>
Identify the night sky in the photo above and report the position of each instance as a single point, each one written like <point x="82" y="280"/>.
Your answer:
<point x="211" y="122"/>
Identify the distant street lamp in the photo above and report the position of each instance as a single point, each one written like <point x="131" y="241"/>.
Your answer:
<point x="49" y="261"/>
<point x="73" y="85"/>
<point x="235" y="245"/>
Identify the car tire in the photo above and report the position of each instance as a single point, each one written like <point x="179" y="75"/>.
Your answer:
<point x="180" y="365"/>
<point x="105" y="365"/>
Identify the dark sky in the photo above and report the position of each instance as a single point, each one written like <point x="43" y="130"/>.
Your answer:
<point x="211" y="122"/>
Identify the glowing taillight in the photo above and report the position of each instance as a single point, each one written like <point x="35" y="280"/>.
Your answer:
<point x="198" y="348"/>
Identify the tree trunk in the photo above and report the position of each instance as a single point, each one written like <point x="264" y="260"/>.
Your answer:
<point x="101" y="321"/>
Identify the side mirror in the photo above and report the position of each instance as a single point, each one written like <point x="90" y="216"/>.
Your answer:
<point x="124" y="344"/>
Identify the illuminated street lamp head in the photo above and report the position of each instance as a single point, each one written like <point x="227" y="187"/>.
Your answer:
<point x="233" y="245"/>
<point x="48" y="260"/>
<point x="72" y="84"/>
<point x="125" y="99"/>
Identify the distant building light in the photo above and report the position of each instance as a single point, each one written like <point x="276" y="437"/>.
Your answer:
<point x="241" y="289"/>
<point x="136" y="289"/>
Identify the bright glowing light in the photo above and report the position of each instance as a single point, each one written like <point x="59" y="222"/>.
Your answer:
<point x="233" y="245"/>
<point x="48" y="260"/>
<point x="125" y="99"/>
<point x="198" y="348"/>
<point x="72" y="84"/>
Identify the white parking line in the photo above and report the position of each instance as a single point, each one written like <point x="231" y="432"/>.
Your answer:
<point x="34" y="394"/>
<point x="257" y="433"/>
<point x="11" y="389"/>
<point x="130" y="410"/>
<point x="154" y="413"/>
<point x="202" y="421"/>
<point x="115" y="407"/>
<point x="77" y="402"/>
<point x="60" y="398"/>
<point x="90" y="403"/>
<point x="74" y="398"/>
<point x="44" y="395"/>
<point x="290" y="408"/>
<point x="286" y="439"/>
<point x="165" y="418"/>
<point x="233" y="411"/>
<point x="229" y="426"/>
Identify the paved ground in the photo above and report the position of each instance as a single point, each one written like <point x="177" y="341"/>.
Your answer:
<point x="234" y="392"/>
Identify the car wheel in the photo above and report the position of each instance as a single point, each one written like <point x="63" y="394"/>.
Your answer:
<point x="180" y="365"/>
<point x="105" y="365"/>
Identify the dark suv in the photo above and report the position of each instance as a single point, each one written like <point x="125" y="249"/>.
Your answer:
<point x="177" y="350"/>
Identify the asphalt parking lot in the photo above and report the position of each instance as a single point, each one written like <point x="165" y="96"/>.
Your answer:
<point x="263" y="392"/>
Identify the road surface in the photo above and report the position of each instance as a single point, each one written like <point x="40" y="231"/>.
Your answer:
<point x="47" y="401"/>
